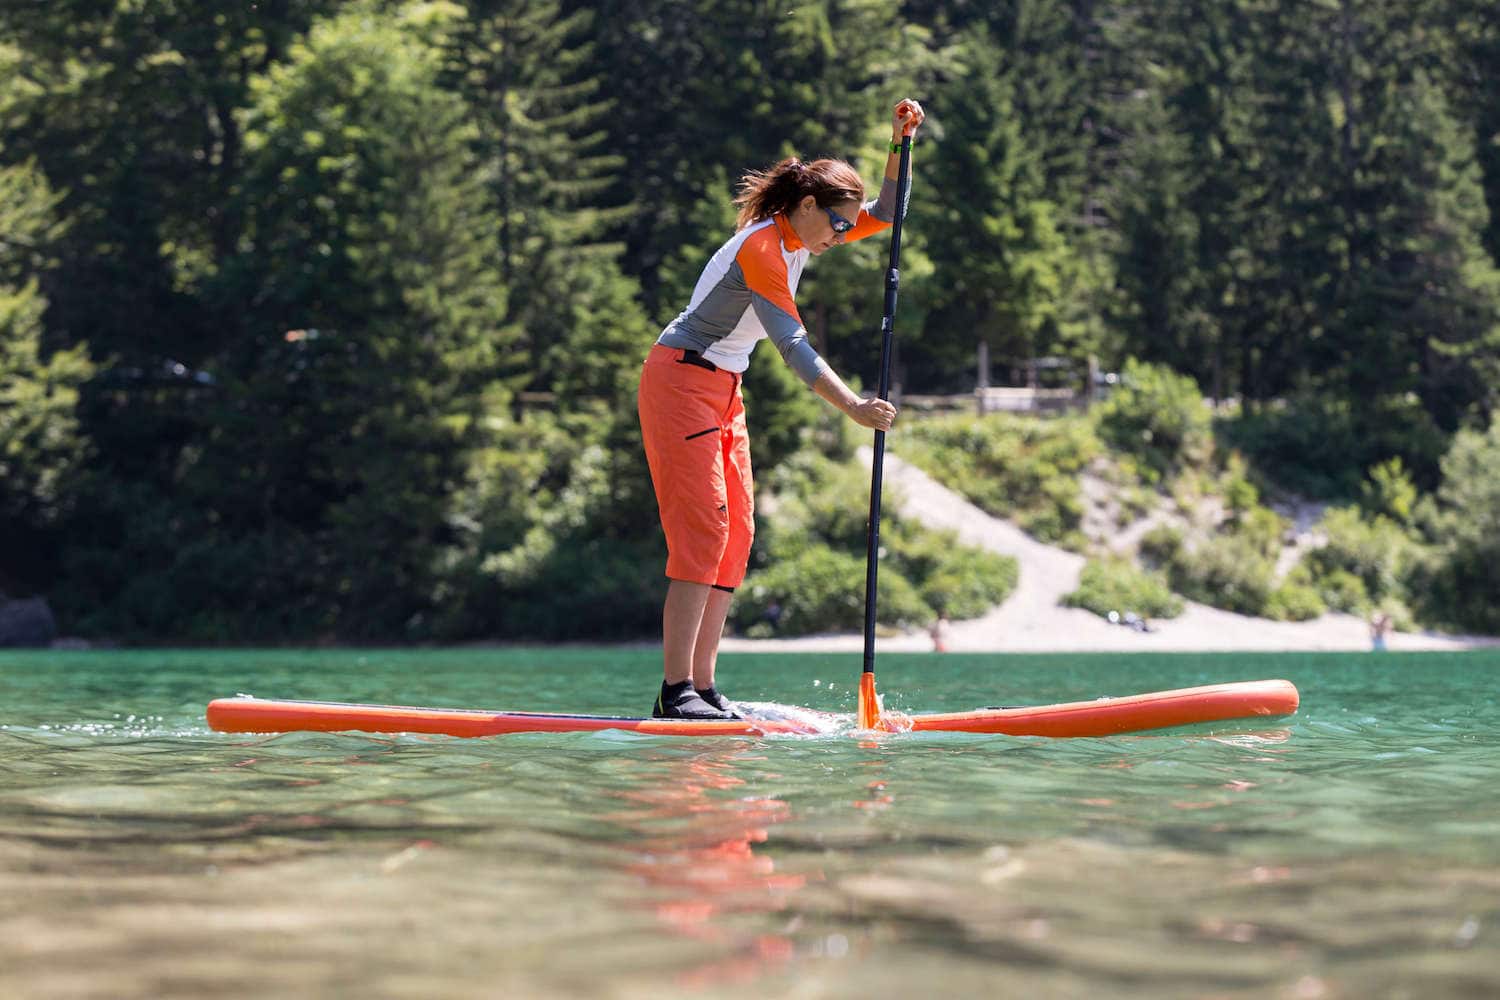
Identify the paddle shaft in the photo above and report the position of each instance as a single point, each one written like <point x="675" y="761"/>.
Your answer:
<point x="887" y="338"/>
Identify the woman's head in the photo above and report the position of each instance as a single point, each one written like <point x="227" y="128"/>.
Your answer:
<point x="820" y="199"/>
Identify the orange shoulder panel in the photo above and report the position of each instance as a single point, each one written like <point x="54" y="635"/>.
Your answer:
<point x="765" y="270"/>
<point x="865" y="225"/>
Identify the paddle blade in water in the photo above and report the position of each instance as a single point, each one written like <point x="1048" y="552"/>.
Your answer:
<point x="869" y="704"/>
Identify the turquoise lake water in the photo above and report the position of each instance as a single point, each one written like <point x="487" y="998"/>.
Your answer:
<point x="1352" y="850"/>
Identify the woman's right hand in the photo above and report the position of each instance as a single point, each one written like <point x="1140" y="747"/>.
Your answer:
<point x="906" y="118"/>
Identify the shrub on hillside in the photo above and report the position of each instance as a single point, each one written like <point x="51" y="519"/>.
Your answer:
<point x="1240" y="494"/>
<point x="823" y="590"/>
<point x="1160" y="546"/>
<point x="1375" y="550"/>
<point x="969" y="582"/>
<point x="1389" y="491"/>
<point x="1319" y="446"/>
<point x="1119" y="585"/>
<point x="1458" y="584"/>
<point x="1021" y="468"/>
<point x="1227" y="571"/>
<point x="820" y="526"/>
<point x="1158" y="416"/>
<point x="1295" y="599"/>
<point x="1341" y="590"/>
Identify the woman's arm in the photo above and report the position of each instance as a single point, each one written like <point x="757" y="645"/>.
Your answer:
<point x="876" y="414"/>
<point x="877" y="215"/>
<point x="905" y="120"/>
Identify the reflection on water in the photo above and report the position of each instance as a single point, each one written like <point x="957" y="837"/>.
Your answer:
<point x="694" y="850"/>
<point x="1351" y="851"/>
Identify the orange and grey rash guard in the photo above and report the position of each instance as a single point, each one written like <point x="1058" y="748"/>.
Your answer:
<point x="746" y="293"/>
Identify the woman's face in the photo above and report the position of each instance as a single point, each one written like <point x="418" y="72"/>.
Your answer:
<point x="819" y="228"/>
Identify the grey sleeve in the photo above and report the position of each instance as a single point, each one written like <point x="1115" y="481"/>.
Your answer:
<point x="790" y="339"/>
<point x="884" y="207"/>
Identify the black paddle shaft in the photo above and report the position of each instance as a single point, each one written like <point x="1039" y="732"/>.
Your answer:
<point x="887" y="337"/>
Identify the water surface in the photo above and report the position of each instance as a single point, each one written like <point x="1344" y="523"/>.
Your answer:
<point x="1350" y="851"/>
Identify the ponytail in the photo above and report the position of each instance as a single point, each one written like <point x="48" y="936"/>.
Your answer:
<point x="764" y="193"/>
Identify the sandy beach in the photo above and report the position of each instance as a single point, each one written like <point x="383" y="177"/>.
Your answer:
<point x="1033" y="621"/>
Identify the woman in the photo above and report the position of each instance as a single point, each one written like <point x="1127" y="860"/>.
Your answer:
<point x="692" y="416"/>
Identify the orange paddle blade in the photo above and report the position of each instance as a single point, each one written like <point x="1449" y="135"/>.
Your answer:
<point x="869" y="705"/>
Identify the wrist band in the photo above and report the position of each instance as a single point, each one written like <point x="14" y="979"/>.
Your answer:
<point x="895" y="147"/>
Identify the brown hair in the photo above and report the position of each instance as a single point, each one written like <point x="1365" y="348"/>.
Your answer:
<point x="764" y="193"/>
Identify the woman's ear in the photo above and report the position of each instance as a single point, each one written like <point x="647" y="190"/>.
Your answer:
<point x="808" y="203"/>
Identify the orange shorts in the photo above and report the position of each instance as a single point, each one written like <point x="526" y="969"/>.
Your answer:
<point x="693" y="425"/>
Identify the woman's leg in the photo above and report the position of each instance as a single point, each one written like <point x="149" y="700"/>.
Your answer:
<point x="710" y="631"/>
<point x="682" y="619"/>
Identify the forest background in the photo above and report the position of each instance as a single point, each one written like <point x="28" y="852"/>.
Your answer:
<point x="322" y="320"/>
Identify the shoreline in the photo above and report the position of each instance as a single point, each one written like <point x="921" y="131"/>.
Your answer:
<point x="1033" y="619"/>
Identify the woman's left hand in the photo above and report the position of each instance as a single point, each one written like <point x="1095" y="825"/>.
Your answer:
<point x="905" y="119"/>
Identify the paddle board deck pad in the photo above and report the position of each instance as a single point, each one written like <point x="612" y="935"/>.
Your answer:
<point x="1246" y="700"/>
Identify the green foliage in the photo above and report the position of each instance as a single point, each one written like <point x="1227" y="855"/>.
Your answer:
<point x="953" y="579"/>
<point x="39" y="440"/>
<point x="1389" y="491"/>
<point x="1161" y="546"/>
<point x="1293" y="205"/>
<point x="1316" y="445"/>
<point x="1009" y="272"/>
<point x="1374" y="550"/>
<point x="1010" y="466"/>
<point x="1295" y="600"/>
<point x="1233" y="567"/>
<point x="1256" y="261"/>
<point x="41" y="446"/>
<point x="1118" y="585"/>
<point x="812" y="559"/>
<point x="1458" y="585"/>
<point x="1240" y="494"/>
<point x="1342" y="590"/>
<point x="820" y="589"/>
<point x="1159" y="417"/>
<point x="1226" y="571"/>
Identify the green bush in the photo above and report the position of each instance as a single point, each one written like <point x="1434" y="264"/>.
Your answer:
<point x="968" y="582"/>
<point x="1160" y="546"/>
<point x="1119" y="585"/>
<point x="1376" y="550"/>
<point x="1341" y="590"/>
<point x="1389" y="491"/>
<point x="822" y="510"/>
<point x="823" y="590"/>
<point x="1228" y="571"/>
<point x="1296" y="599"/>
<point x="1240" y="494"/>
<point x="1457" y="584"/>
<point x="1158" y="416"/>
<point x="1017" y="467"/>
<point x="1320" y="446"/>
<point x="1262" y="528"/>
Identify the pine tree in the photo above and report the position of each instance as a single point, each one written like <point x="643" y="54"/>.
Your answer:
<point x="373" y="322"/>
<point x="40" y="444"/>
<point x="995" y="238"/>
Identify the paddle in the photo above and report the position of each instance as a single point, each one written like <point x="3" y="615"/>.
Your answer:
<point x="869" y="704"/>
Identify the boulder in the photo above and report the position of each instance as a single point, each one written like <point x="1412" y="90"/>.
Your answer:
<point x="27" y="622"/>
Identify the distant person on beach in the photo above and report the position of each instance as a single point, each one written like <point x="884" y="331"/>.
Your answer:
<point x="939" y="633"/>
<point x="692" y="414"/>
<point x="1380" y="626"/>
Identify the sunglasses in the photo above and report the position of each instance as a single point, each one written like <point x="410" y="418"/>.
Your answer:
<point x="840" y="224"/>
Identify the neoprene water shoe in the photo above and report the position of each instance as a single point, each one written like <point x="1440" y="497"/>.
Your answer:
<point x="680" y="701"/>
<point x="711" y="695"/>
